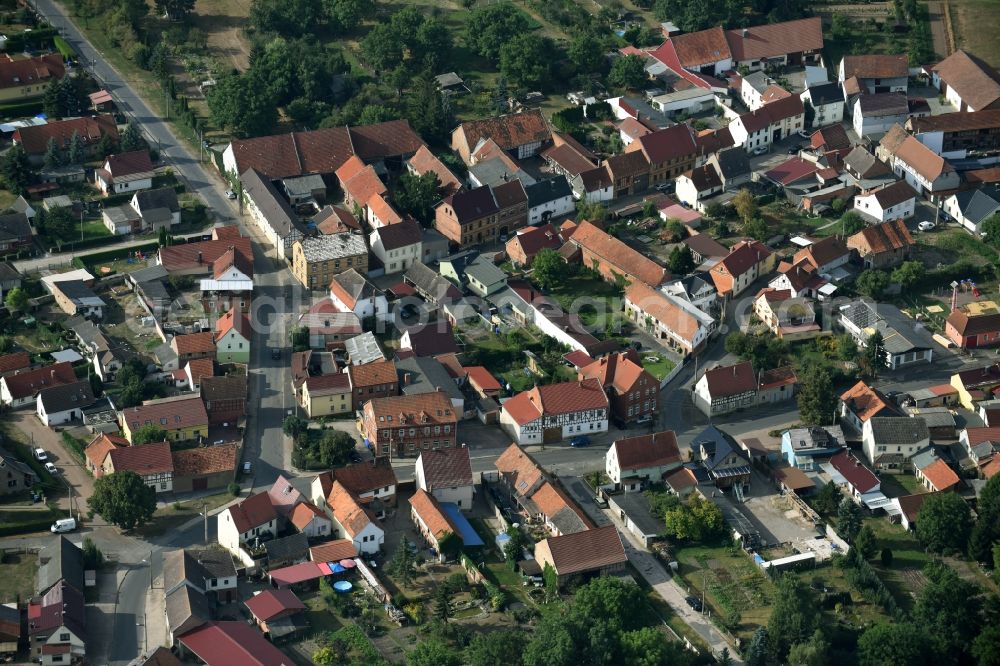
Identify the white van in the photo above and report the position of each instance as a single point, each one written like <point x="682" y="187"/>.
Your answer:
<point x="63" y="525"/>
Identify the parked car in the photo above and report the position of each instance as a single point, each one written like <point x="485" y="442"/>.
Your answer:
<point x="50" y="468"/>
<point x="63" y="525"/>
<point x="40" y="454"/>
<point x="805" y="134"/>
<point x="247" y="467"/>
<point x="230" y="194"/>
<point x="926" y="225"/>
<point x="695" y="603"/>
<point x="579" y="441"/>
<point x="760" y="150"/>
<point x="276" y="354"/>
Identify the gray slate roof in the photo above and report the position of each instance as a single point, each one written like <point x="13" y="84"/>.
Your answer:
<point x="979" y="204"/>
<point x="899" y="332"/>
<point x="426" y="375"/>
<point x="544" y="191"/>
<point x="827" y="93"/>
<point x="485" y="271"/>
<point x="61" y="560"/>
<point x="898" y="429"/>
<point x="293" y="547"/>
<point x="161" y="197"/>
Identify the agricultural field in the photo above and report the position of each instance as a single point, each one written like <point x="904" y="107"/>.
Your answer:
<point x="977" y="27"/>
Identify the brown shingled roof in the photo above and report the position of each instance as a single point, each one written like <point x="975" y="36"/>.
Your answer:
<point x="372" y="374"/>
<point x="144" y="460"/>
<point x="252" y="512"/>
<point x="775" y="39"/>
<point x="205" y="460"/>
<point x="731" y="380"/>
<point x="35" y="139"/>
<point x="879" y="66"/>
<point x="449" y="467"/>
<point x="31" y="71"/>
<point x="620" y="256"/>
<point x="585" y="551"/>
<point x="974" y="80"/>
<point x="509" y="131"/>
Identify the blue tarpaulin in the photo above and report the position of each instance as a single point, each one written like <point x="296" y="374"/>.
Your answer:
<point x="469" y="535"/>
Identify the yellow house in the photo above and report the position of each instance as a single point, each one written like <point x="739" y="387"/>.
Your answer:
<point x="976" y="385"/>
<point x="327" y="395"/>
<point x="27" y="78"/>
<point x="316" y="259"/>
<point x="183" y="418"/>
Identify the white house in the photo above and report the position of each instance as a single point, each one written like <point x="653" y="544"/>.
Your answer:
<point x="351" y="292"/>
<point x="311" y="521"/>
<point x="242" y="522"/>
<point x="549" y="198"/>
<point x="725" y="389"/>
<point x="905" y="340"/>
<point x="354" y="520"/>
<point x="270" y="212"/>
<point x="674" y="321"/>
<point x="635" y="461"/>
<point x="926" y="171"/>
<point x="231" y="272"/>
<point x="890" y="442"/>
<point x="827" y="101"/>
<point x="967" y="82"/>
<point x="768" y="124"/>
<point x="397" y="246"/>
<point x="753" y="88"/>
<point x="697" y="186"/>
<point x="126" y="172"/>
<point x="157" y="207"/>
<point x="971" y="207"/>
<point x="555" y="412"/>
<point x="594" y="185"/>
<point x="447" y="475"/>
<point x="57" y="405"/>
<point x="890" y="202"/>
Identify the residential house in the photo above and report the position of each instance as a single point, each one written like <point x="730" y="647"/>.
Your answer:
<point x="867" y="170"/>
<point x="193" y="346"/>
<point x="311" y="521"/>
<point x="370" y="381"/>
<point x="723" y="459"/>
<point x="329" y="327"/>
<point x="594" y="185"/>
<point x="799" y="279"/>
<point x="826" y="254"/>
<point x="446" y="474"/>
<point x="890" y="442"/>
<point x="335" y="220"/>
<point x="669" y="152"/>
<point x="205" y="468"/>
<point x="558" y="512"/>
<point x="97" y="450"/>
<point x="975" y="324"/>
<point x="905" y="341"/>
<point x="802" y="448"/>
<point x="852" y="474"/>
<point x="317" y="259"/>
<point x="548" y="199"/>
<point x="975" y="384"/>
<point x="431" y="286"/>
<point x="861" y="402"/>
<point x="359" y="183"/>
<point x="58" y="405"/>
<point x="613" y="259"/>
<point x="519" y="475"/>
<point x="674" y="321"/>
<point x="225" y="399"/>
<point x="697" y="187"/>
<point x="483" y="277"/>
<point x="725" y="389"/>
<point x="24" y="79"/>
<point x="705" y="249"/>
<point x="75" y="298"/>
<point x="14" y="362"/>
<point x="628" y="172"/>
<point x="967" y="82"/>
<point x="151" y="461"/>
<point x="327" y="395"/>
<point x="424" y="161"/>
<point x="776" y="385"/>
<point x="519" y="134"/>
<point x="732" y="166"/>
<point x="19" y="477"/>
<point x="10" y="629"/>
<point x="121" y="220"/>
<point x="896" y="201"/>
<point x="594" y="552"/>
<point x="183" y="418"/>
<point x="425" y="374"/>
<point x="555" y="412"/>
<point x="401" y="426"/>
<point x="434" y="525"/>
<point x="397" y="246"/>
<point x="482" y="214"/>
<point x="971" y="208"/>
<point x="125" y="173"/>
<point x="232" y="337"/>
<point x="528" y="242"/>
<point x="882" y="246"/>
<point x="15" y="233"/>
<point x="272" y="214"/>
<point x="695" y="289"/>
<point x="768" y="124"/>
<point x="786" y="316"/>
<point x="752" y="88"/>
<point x="634" y="462"/>
<point x="246" y="521"/>
<point x="633" y="393"/>
<point x="936" y="476"/>
<point x="981" y="444"/>
<point x="875" y="114"/>
<point x="827" y="101"/>
<point x="788" y="43"/>
<point x="9" y="278"/>
<point x="746" y="261"/>
<point x="875" y="73"/>
<point x="21" y="388"/>
<point x="373" y="482"/>
<point x="430" y="340"/>
<point x="57" y="626"/>
<point x="351" y="292"/>
<point x="926" y="171"/>
<point x="276" y="612"/>
<point x="230" y="642"/>
<point x="91" y="131"/>
<point x="199" y="258"/>
<point x="354" y="520"/>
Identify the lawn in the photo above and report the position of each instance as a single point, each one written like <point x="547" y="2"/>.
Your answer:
<point x="91" y="229"/>
<point x="17" y="577"/>
<point x="320" y="615"/>
<point x="657" y="364"/>
<point x="977" y="27"/>
<point x="957" y="244"/>
<point x="897" y="485"/>
<point x="37" y="338"/>
<point x="904" y="578"/>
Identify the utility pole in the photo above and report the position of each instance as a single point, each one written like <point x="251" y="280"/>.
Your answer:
<point x="204" y="513"/>
<point x="151" y="568"/>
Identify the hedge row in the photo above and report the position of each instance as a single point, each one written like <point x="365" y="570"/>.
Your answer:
<point x="76" y="245"/>
<point x="65" y="50"/>
<point x="111" y="255"/>
<point x="27" y="526"/>
<point x="21" y="109"/>
<point x="36" y="36"/>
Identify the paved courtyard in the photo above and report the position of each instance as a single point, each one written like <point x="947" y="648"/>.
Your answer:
<point x="771" y="514"/>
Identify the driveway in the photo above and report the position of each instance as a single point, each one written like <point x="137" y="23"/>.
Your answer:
<point x="71" y="471"/>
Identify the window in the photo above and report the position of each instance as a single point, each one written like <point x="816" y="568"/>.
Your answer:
<point x="163" y="486"/>
<point x="64" y="636"/>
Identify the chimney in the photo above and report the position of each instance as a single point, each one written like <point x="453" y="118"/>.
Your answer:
<point x="407" y="379"/>
<point x="746" y="32"/>
<point x="199" y="256"/>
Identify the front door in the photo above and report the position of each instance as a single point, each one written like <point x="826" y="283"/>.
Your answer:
<point x="199" y="484"/>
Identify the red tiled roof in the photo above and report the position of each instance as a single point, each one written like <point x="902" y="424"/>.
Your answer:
<point x="792" y="170"/>
<point x="663" y="310"/>
<point x="858" y="476"/>
<point x="293" y="154"/>
<point x="823" y="252"/>
<point x="700" y="48"/>
<point x="186" y="256"/>
<point x="99" y="447"/>
<point x="201" y="367"/>
<point x="654" y="450"/>
<point x="335" y="220"/>
<point x="879" y="66"/>
<point x="127" y="164"/>
<point x="232" y="258"/>
<point x="742" y="257"/>
<point x="885" y="237"/>
<point x="621" y="370"/>
<point x="895" y="193"/>
<point x="30" y="382"/>
<point x="578" y="358"/>
<point x="831" y="137"/>
<point x="556" y="399"/>
<point x="365" y="477"/>
<point x="205" y="460"/>
<point x="233" y="642"/>
<point x="449" y="467"/>
<point x="940" y="475"/>
<point x="304" y="513"/>
<point x="509" y="132"/>
<point x="980" y="435"/>
<point x="422" y="408"/>
<point x="482" y="378"/>
<point x="668" y="144"/>
<point x="270" y="603"/>
<point x="373" y="374"/>
<point x="518" y="468"/>
<point x="35" y="139"/>
<point x="348" y="510"/>
<point x="252" y="512"/>
<point x="391" y="138"/>
<point x="333" y="551"/>
<point x="731" y="380"/>
<point x="772" y="113"/>
<point x="31" y="71"/>
<point x="924" y="161"/>
<point x="589" y="550"/>
<point x="232" y="320"/>
<point x="774" y="39"/>
<point x="168" y="414"/>
<point x="777" y="377"/>
<point x="144" y="460"/>
<point x="424" y="160"/>
<point x="618" y="255"/>
<point x="15" y="361"/>
<point x="363" y="185"/>
<point x="334" y="383"/>
<point x="194" y="343"/>
<point x="966" y="324"/>
<point x="865" y="401"/>
<point x="552" y="500"/>
<point x="434" y="518"/>
<point x="976" y="82"/>
<point x="534" y="239"/>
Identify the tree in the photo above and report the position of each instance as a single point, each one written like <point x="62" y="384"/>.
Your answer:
<point x="681" y="260"/>
<point x="698" y="519"/>
<point x="948" y="610"/>
<point x="17" y="300"/>
<point x="442" y="607"/>
<point x="123" y="499"/>
<point x="325" y="657"/>
<point x="335" y="448"/>
<point x="866" y="542"/>
<point x="50" y="100"/>
<point x="15" y="169"/>
<point x="872" y="282"/>
<point x="59" y="223"/>
<point x="592" y="211"/>
<point x="944" y="523"/>
<point x="75" y="154"/>
<point x="814" y="652"/>
<point x="175" y="10"/>
<point x="52" y="159"/>
<point x="131" y="138"/>
<point x="427" y="109"/>
<point x="627" y="72"/>
<point x="908" y="274"/>
<point x="989" y="230"/>
<point x="849" y="519"/>
<point x="548" y="268"/>
<point x="300" y="338"/>
<point x="827" y="500"/>
<point x="758" y="649"/>
<point x="526" y="60"/>
<point x="293" y="426"/>
<point x="816" y="398"/>
<point x="847" y="349"/>
<point x="745" y="205"/>
<point x="756" y="228"/>
<point x="495" y="647"/>
<point x="512" y="547"/>
<point x="416" y="195"/>
<point x="794" y="617"/>
<point x="489" y="27"/>
<point x="586" y="53"/>
<point x="886" y="557"/>
<point x="898" y="643"/>
<point x="874" y="354"/>
<point x="433" y="652"/>
<point x="402" y="563"/>
<point x="851" y="223"/>
<point x="150" y="433"/>
<point x="244" y="103"/>
<point x="674" y="230"/>
<point x="986" y="533"/>
<point x="93" y="558"/>
<point x="986" y="647"/>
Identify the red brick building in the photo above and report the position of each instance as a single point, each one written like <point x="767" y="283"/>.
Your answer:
<point x="404" y="425"/>
<point x="372" y="381"/>
<point x="632" y="391"/>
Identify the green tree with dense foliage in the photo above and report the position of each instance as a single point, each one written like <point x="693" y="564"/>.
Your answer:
<point x="872" y="282"/>
<point x="892" y="644"/>
<point x="851" y="223"/>
<point x="866" y="542"/>
<point x="827" y="500"/>
<point x="416" y="195"/>
<point x="548" y="268"/>
<point x="986" y="647"/>
<point x="794" y="617"/>
<point x="944" y="523"/>
<point x="759" y="648"/>
<point x="813" y="652"/>
<point x="816" y="398"/>
<point x="503" y="646"/>
<point x="698" y="519"/>
<point x="986" y="532"/>
<point x="123" y="499"/>
<point x="428" y="110"/>
<point x="433" y="652"/>
<point x="586" y="53"/>
<point x="150" y="433"/>
<point x="131" y="138"/>
<point x="16" y="300"/>
<point x="526" y="60"/>
<point x="908" y="274"/>
<point x="403" y="563"/>
<point x="849" y="519"/>
<point x="948" y="609"/>
<point x="627" y="72"/>
<point x="15" y="169"/>
<point x="681" y="260"/>
<point x="874" y="355"/>
<point x="491" y="26"/>
<point x="243" y="104"/>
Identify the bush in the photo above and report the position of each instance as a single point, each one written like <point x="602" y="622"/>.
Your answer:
<point x="73" y="444"/>
<point x="234" y="489"/>
<point x="65" y="50"/>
